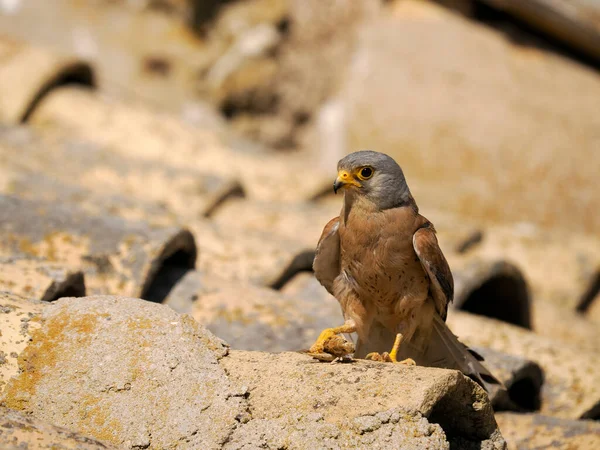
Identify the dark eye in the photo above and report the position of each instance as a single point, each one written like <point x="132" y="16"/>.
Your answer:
<point x="366" y="173"/>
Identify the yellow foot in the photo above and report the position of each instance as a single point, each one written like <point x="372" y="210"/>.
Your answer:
<point x="319" y="345"/>
<point x="392" y="355"/>
<point x="387" y="357"/>
<point x="407" y="361"/>
<point x="328" y="333"/>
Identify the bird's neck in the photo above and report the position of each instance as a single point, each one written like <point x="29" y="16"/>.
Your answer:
<point x="356" y="204"/>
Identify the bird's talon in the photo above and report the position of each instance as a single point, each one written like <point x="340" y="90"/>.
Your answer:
<point x="374" y="356"/>
<point x="319" y="345"/>
<point x="407" y="362"/>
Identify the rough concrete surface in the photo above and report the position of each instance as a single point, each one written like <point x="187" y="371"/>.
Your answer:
<point x="19" y="431"/>
<point x="254" y="318"/>
<point x="287" y="384"/>
<point x="534" y="431"/>
<point x="138" y="375"/>
<point x="526" y="128"/>
<point x="19" y="317"/>
<point x="116" y="256"/>
<point x="571" y="388"/>
<point x="39" y="279"/>
<point x="128" y="372"/>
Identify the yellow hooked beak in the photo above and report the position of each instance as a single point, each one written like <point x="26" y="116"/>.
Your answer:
<point x="344" y="178"/>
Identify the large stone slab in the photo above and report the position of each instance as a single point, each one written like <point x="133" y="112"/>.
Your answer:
<point x="116" y="256"/>
<point x="364" y="398"/>
<point x="259" y="257"/>
<point x="27" y="73"/>
<point x="19" y="318"/>
<point x="257" y="318"/>
<point x="128" y="372"/>
<point x="134" y="130"/>
<point x="55" y="166"/>
<point x="39" y="279"/>
<point x="536" y="431"/>
<point x="19" y="431"/>
<point x="302" y="222"/>
<point x="571" y="387"/>
<point x="574" y="22"/>
<point x="448" y="97"/>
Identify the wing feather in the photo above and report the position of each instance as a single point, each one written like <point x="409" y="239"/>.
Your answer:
<point x="326" y="264"/>
<point x="433" y="261"/>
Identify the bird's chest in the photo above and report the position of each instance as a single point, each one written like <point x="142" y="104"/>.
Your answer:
<point x="380" y="260"/>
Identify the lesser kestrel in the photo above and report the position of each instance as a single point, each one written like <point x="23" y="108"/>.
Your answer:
<point x="381" y="260"/>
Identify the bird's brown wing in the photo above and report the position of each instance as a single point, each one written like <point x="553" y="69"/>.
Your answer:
<point x="327" y="258"/>
<point x="433" y="261"/>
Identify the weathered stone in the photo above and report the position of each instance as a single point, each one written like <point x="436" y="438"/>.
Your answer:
<point x="522" y="378"/>
<point x="523" y="431"/>
<point x="593" y="312"/>
<point x="135" y="131"/>
<point x="514" y="372"/>
<point x="493" y="288"/>
<point x="574" y="22"/>
<point x="19" y="431"/>
<point x="395" y="429"/>
<point x="302" y="222"/>
<point x="571" y="386"/>
<point x="129" y="372"/>
<point x="515" y="272"/>
<point x="564" y="325"/>
<point x="19" y="318"/>
<point x="305" y="285"/>
<point x="28" y="73"/>
<point x="364" y="397"/>
<point x="255" y="318"/>
<point x="259" y="257"/>
<point x="53" y="166"/>
<point x="39" y="279"/>
<point x="148" y="56"/>
<point x="116" y="256"/>
<point x="466" y="100"/>
<point x="553" y="274"/>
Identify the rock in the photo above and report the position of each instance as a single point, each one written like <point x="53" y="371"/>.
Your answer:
<point x="523" y="275"/>
<point x="448" y="97"/>
<point x="254" y="318"/>
<point x="492" y="288"/>
<point x="593" y="312"/>
<point x="128" y="372"/>
<point x="398" y="429"/>
<point x="573" y="22"/>
<point x="115" y="255"/>
<point x="258" y="257"/>
<point x="553" y="274"/>
<point x="522" y="378"/>
<point x="134" y="131"/>
<point x="564" y="325"/>
<point x="22" y="88"/>
<point x="136" y="374"/>
<point x="358" y="404"/>
<point x="537" y="431"/>
<point x="53" y="166"/>
<point x="19" y="318"/>
<point x="571" y="388"/>
<point x="149" y="56"/>
<point x="303" y="222"/>
<point x="39" y="279"/>
<point x="18" y="431"/>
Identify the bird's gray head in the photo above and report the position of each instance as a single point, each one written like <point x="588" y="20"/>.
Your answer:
<point x="375" y="176"/>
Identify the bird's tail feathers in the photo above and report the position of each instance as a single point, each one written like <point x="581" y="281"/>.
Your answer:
<point x="445" y="350"/>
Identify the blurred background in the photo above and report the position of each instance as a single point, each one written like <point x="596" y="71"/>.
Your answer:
<point x="183" y="151"/>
